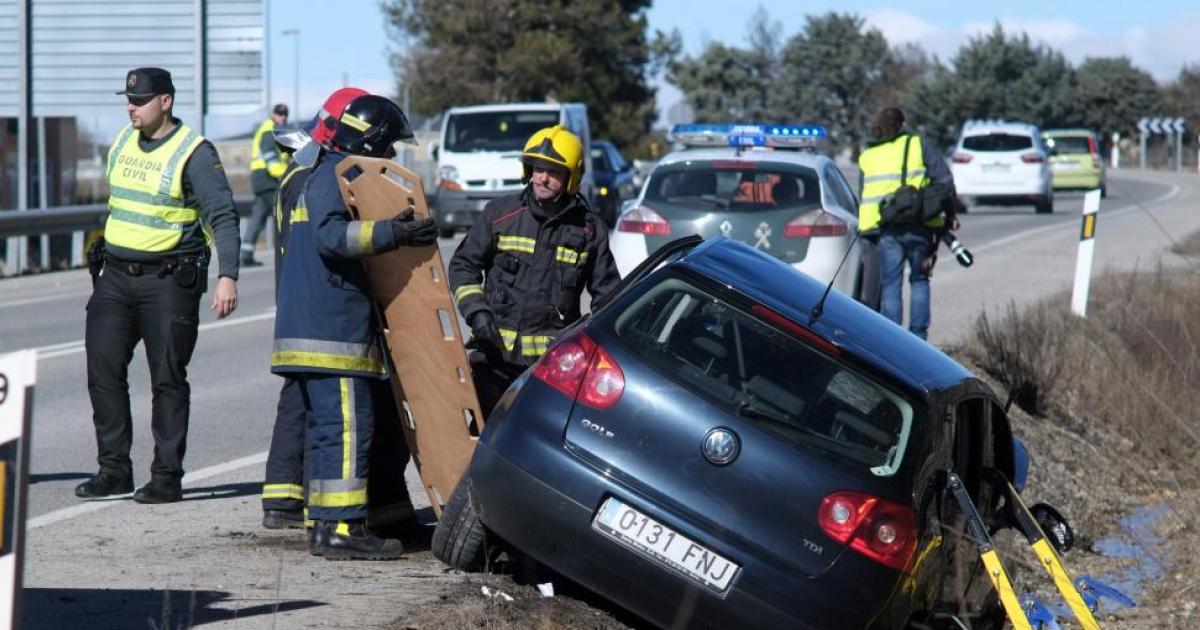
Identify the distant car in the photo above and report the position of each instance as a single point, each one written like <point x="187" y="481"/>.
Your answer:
<point x="1075" y="160"/>
<point x="707" y="451"/>
<point x="998" y="162"/>
<point x="614" y="179"/>
<point x="740" y="181"/>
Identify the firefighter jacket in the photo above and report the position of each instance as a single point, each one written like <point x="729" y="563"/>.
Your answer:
<point x="323" y="321"/>
<point x="291" y="185"/>
<point x="267" y="163"/>
<point x="535" y="269"/>
<point x="882" y="166"/>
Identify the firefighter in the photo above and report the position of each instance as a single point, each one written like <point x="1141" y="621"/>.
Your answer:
<point x="538" y="250"/>
<point x="283" y="487"/>
<point x="267" y="165"/>
<point x="327" y="339"/>
<point x="167" y="195"/>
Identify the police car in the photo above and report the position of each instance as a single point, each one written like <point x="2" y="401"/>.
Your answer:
<point x="764" y="185"/>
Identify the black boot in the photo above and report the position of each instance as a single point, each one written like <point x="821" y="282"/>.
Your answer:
<point x="351" y="540"/>
<point x="159" y="490"/>
<point x="410" y="532"/>
<point x="318" y="538"/>
<point x="103" y="485"/>
<point x="283" y="519"/>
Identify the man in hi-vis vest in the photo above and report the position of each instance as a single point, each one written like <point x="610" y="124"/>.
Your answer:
<point x="905" y="201"/>
<point x="168" y="197"/>
<point x="267" y="165"/>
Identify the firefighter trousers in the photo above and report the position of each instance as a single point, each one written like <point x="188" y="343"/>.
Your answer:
<point x="283" y="488"/>
<point x="356" y="450"/>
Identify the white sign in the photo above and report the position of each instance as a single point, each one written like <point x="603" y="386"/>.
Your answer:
<point x="17" y="376"/>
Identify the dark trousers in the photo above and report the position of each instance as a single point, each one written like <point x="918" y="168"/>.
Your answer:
<point x="283" y="488"/>
<point x="125" y="309"/>
<point x="492" y="376"/>
<point x="356" y="450"/>
<point x="262" y="209"/>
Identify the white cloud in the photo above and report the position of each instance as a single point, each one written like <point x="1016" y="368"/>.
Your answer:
<point x="899" y="27"/>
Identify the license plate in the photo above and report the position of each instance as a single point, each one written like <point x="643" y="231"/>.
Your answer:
<point x="660" y="543"/>
<point x="995" y="168"/>
<point x="1062" y="166"/>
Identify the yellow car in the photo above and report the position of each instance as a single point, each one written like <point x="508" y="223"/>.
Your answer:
<point x="1075" y="162"/>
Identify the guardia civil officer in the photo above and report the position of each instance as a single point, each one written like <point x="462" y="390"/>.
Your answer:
<point x="283" y="488"/>
<point x="166" y="186"/>
<point x="267" y="165"/>
<point x="906" y="199"/>
<point x="519" y="274"/>
<point x="326" y="338"/>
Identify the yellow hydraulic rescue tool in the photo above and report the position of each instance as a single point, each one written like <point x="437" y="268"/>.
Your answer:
<point x="1047" y="557"/>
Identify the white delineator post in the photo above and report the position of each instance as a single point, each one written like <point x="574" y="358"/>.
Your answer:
<point x="1087" y="248"/>
<point x="1115" y="160"/>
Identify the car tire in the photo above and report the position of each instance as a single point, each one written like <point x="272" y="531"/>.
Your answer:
<point x="460" y="539"/>
<point x="1044" y="204"/>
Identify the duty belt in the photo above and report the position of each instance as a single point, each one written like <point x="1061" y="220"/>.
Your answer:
<point x="159" y="267"/>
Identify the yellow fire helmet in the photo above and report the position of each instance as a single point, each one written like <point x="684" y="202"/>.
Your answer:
<point x="555" y="146"/>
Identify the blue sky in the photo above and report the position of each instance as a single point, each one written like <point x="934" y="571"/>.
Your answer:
<point x="347" y="46"/>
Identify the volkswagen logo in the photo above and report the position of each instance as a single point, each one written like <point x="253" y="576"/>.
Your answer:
<point x="721" y="446"/>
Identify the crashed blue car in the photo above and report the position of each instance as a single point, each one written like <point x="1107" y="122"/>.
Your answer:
<point x="720" y="446"/>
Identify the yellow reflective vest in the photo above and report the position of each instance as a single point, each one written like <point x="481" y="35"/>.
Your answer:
<point x="271" y="160"/>
<point x="881" y="167"/>
<point x="145" y="204"/>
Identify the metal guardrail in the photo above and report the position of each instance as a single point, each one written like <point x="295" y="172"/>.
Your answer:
<point x="65" y="219"/>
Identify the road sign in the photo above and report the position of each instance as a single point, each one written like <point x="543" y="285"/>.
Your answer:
<point x="1143" y="125"/>
<point x="1177" y="125"/>
<point x="1160" y="124"/>
<point x="17" y="375"/>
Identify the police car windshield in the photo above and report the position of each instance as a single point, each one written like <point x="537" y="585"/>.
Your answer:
<point x="735" y="186"/>
<point x="495" y="131"/>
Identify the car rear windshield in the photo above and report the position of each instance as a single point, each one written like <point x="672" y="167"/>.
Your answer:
<point x="495" y="131"/>
<point x="998" y="142"/>
<point x="766" y="376"/>
<point x="1069" y="145"/>
<point x="734" y="185"/>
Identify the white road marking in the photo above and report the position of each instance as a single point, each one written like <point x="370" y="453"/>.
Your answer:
<point x="45" y="298"/>
<point x="89" y="507"/>
<point x="75" y="347"/>
<point x="1126" y="209"/>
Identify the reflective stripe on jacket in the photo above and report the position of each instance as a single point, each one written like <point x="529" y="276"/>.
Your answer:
<point x="536" y="269"/>
<point x="881" y="166"/>
<point x="145" y="203"/>
<point x="263" y="153"/>
<point x="324" y="321"/>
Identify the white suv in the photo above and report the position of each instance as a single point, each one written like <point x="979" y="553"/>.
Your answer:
<point x="1002" y="162"/>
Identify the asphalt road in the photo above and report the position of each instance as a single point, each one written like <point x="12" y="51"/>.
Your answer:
<point x="73" y="544"/>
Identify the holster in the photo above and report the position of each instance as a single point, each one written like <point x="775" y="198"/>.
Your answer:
<point x="95" y="259"/>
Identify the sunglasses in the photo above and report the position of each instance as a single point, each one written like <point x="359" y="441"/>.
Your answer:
<point x="139" y="101"/>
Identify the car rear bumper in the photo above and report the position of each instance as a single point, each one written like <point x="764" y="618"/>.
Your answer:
<point x="1077" y="179"/>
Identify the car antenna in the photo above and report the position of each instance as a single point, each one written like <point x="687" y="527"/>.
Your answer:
<point x="819" y="307"/>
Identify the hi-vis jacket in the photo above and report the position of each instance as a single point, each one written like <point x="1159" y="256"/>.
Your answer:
<point x="882" y="165"/>
<point x="146" y="202"/>
<point x="267" y="163"/>
<point x="323" y="321"/>
<point x="536" y="271"/>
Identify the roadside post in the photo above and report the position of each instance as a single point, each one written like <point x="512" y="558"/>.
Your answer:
<point x="1115" y="160"/>
<point x="1087" y="245"/>
<point x="1177" y="127"/>
<point x="17" y="376"/>
<point x="1143" y="131"/>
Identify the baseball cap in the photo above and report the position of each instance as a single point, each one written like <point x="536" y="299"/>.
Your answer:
<point x="326" y="121"/>
<point x="280" y="109"/>
<point x="147" y="82"/>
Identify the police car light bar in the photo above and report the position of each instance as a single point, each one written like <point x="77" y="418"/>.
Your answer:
<point x="749" y="135"/>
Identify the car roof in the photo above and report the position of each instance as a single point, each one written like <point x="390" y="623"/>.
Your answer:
<point x="980" y="127"/>
<point x="507" y="107"/>
<point x="803" y="158"/>
<point x="845" y="322"/>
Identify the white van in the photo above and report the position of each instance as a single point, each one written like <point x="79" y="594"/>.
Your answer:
<point x="478" y="155"/>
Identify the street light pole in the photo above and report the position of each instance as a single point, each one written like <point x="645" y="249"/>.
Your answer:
<point x="296" y="74"/>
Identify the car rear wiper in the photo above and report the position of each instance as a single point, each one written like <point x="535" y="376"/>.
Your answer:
<point x="720" y="202"/>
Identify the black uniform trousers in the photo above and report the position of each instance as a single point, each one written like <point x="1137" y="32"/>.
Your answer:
<point x="492" y="376"/>
<point x="283" y="488"/>
<point x="160" y="307"/>
<point x="356" y="453"/>
<point x="262" y="209"/>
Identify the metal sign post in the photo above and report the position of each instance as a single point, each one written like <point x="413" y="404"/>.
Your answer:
<point x="17" y="377"/>
<point x="1087" y="250"/>
<point x="1177" y="127"/>
<point x="1143" y="131"/>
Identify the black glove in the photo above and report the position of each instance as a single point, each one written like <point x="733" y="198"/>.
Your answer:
<point x="485" y="332"/>
<point x="411" y="232"/>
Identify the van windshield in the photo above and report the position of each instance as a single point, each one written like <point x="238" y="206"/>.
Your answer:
<point x="495" y="131"/>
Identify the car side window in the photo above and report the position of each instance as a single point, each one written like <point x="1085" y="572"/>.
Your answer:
<point x="840" y="189"/>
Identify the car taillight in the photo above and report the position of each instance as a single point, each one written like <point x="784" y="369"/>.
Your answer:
<point x="1092" y="146"/>
<point x="815" y="223"/>
<point x="644" y="220"/>
<point x="962" y="158"/>
<point x="583" y="371"/>
<point x="881" y="530"/>
<point x="1032" y="158"/>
